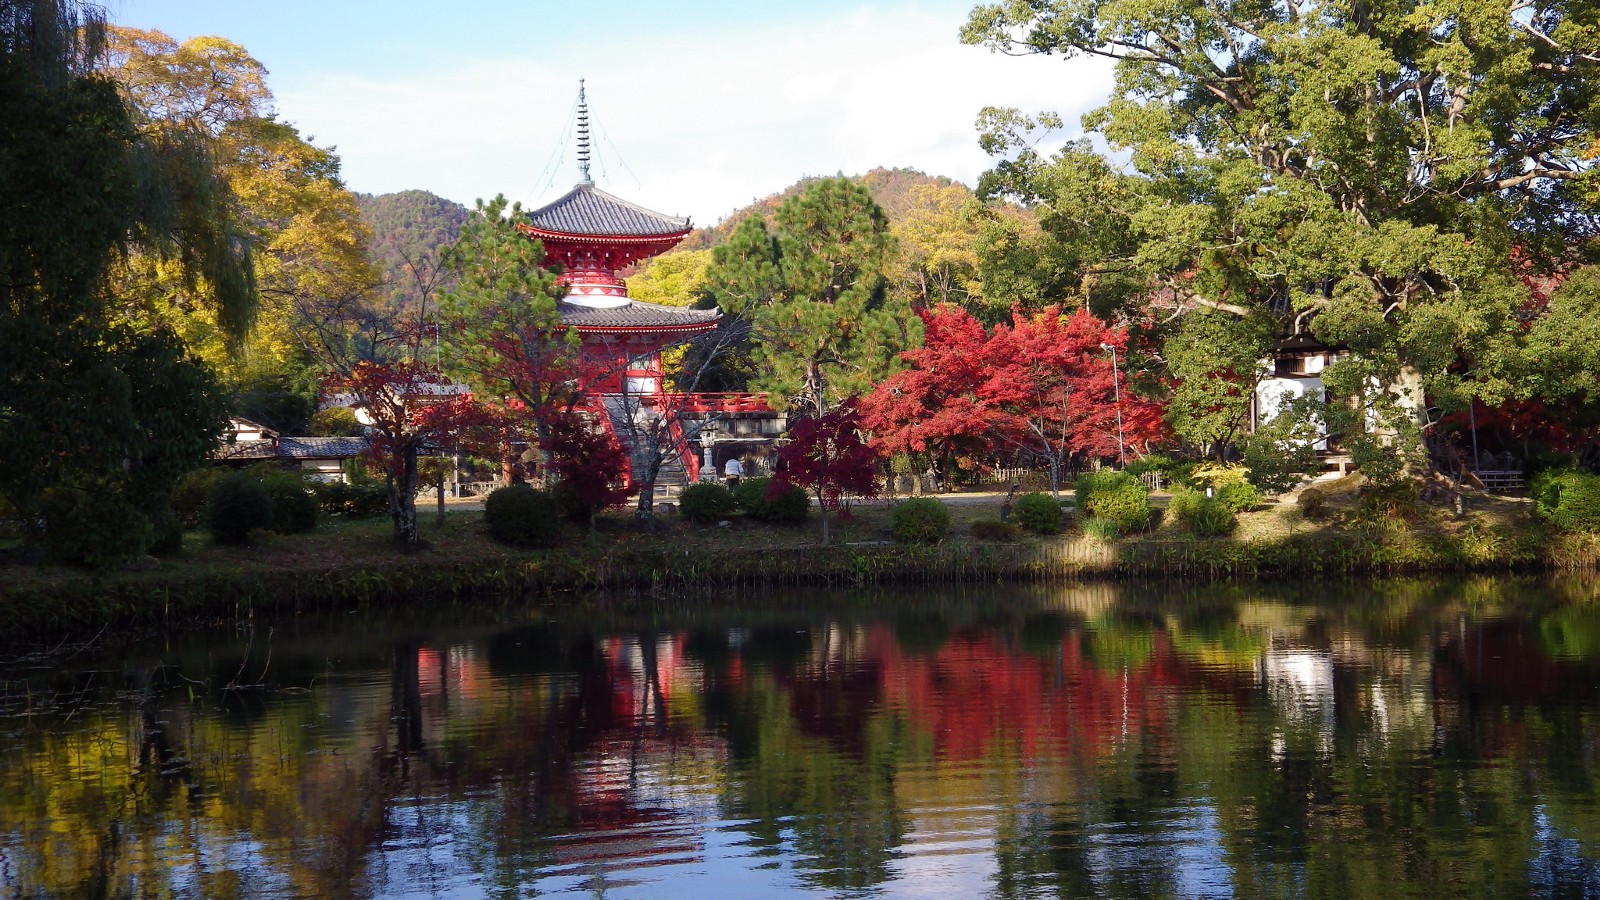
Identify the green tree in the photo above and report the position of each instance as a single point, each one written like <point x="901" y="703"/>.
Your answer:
<point x="92" y="409"/>
<point x="815" y="295"/>
<point x="1217" y="362"/>
<point x="1381" y="172"/>
<point x="503" y="321"/>
<point x="287" y="202"/>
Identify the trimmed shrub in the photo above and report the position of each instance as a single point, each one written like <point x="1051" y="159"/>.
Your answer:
<point x="1116" y="496"/>
<point x="1313" y="503"/>
<point x="238" y="504"/>
<point x="1103" y="530"/>
<point x="706" y="502"/>
<point x="920" y="520"/>
<point x="1205" y="516"/>
<point x="1240" y="496"/>
<point x="191" y="492"/>
<point x="994" y="530"/>
<point x="1568" y="500"/>
<point x="361" y="500"/>
<point x="294" y="505"/>
<point x="1038" y="513"/>
<point x="522" y="517"/>
<point x="92" y="528"/>
<point x="788" y="507"/>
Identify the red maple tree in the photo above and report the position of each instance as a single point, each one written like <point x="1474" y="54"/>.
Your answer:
<point x="1044" y="384"/>
<point x="829" y="457"/>
<point x="932" y="409"/>
<point x="412" y="408"/>
<point x="587" y="462"/>
<point x="1053" y="388"/>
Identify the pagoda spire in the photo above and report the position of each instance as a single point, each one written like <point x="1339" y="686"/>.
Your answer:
<point x="583" y="136"/>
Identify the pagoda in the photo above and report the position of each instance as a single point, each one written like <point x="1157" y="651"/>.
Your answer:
<point x="590" y="235"/>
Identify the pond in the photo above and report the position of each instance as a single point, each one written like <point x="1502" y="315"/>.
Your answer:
<point x="1374" y="739"/>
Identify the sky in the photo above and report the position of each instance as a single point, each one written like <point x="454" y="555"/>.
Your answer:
<point x="698" y="108"/>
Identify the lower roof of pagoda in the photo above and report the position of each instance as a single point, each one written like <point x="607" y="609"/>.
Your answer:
<point x="637" y="317"/>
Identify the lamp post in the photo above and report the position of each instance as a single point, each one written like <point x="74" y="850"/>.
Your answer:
<point x="1116" y="388"/>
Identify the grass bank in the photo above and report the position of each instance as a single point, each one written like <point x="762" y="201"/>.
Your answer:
<point x="351" y="563"/>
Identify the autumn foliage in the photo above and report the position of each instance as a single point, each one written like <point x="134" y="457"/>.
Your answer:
<point x="828" y="456"/>
<point x="1042" y="383"/>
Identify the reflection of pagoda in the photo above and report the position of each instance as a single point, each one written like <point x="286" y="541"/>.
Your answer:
<point x="591" y="235"/>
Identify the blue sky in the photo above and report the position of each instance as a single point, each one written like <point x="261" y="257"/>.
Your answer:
<point x="700" y="108"/>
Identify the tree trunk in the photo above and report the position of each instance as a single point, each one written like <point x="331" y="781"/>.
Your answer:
<point x="440" y="489"/>
<point x="403" y="502"/>
<point x="824" y="511"/>
<point x="1055" y="475"/>
<point x="645" y="515"/>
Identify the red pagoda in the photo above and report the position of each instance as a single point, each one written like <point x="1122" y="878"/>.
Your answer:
<point x="592" y="235"/>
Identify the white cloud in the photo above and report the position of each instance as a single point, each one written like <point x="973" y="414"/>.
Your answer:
<point x="705" y="120"/>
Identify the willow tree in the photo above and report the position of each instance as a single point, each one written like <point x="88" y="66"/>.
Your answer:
<point x="1377" y="172"/>
<point x="99" y="417"/>
<point x="287" y="199"/>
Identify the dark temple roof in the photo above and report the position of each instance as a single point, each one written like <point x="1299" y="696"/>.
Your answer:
<point x="588" y="210"/>
<point x="294" y="448"/>
<point x="635" y="315"/>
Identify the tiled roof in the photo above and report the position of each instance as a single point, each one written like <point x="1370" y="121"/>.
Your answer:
<point x="635" y="315"/>
<point x="588" y="210"/>
<point x="322" y="447"/>
<point x="262" y="449"/>
<point x="294" y="448"/>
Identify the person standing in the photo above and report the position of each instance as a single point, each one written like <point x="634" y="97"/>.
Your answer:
<point x="732" y="472"/>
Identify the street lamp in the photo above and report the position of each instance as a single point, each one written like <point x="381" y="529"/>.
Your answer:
<point x="1116" y="387"/>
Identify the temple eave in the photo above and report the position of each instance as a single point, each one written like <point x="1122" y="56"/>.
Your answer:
<point x="637" y="240"/>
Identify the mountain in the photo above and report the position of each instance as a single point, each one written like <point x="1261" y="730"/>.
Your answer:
<point x="409" y="229"/>
<point x="891" y="188"/>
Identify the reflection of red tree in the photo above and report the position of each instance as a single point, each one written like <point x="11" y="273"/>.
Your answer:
<point x="1484" y="680"/>
<point x="975" y="692"/>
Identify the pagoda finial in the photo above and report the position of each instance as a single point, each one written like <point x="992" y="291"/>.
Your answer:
<point x="583" y="136"/>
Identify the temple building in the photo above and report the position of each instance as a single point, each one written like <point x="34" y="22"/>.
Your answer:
<point x="592" y="235"/>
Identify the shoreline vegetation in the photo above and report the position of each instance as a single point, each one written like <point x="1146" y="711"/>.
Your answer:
<point x="347" y="563"/>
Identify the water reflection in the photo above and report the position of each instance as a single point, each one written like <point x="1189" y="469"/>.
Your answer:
<point x="1431" y="739"/>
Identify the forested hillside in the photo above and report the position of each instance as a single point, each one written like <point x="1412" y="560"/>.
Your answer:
<point x="409" y="228"/>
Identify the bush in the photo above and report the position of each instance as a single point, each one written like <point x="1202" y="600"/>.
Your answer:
<point x="790" y="506"/>
<point x="1205" y="516"/>
<point x="1313" y="503"/>
<point x="1217" y="475"/>
<point x="191" y="492"/>
<point x="1103" y="530"/>
<point x="94" y="527"/>
<point x="569" y="506"/>
<point x="361" y="500"/>
<point x="238" y="504"/>
<point x="1241" y="496"/>
<point x="1038" y="513"/>
<point x="994" y="530"/>
<point x="521" y="516"/>
<point x="706" y="502"/>
<point x="294" y="505"/>
<point x="920" y="520"/>
<point x="1115" y="496"/>
<point x="1568" y="500"/>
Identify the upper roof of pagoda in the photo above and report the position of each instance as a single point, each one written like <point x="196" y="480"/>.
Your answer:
<point x="637" y="316"/>
<point x="587" y="211"/>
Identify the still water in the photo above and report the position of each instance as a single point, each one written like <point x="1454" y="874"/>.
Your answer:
<point x="1354" y="740"/>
